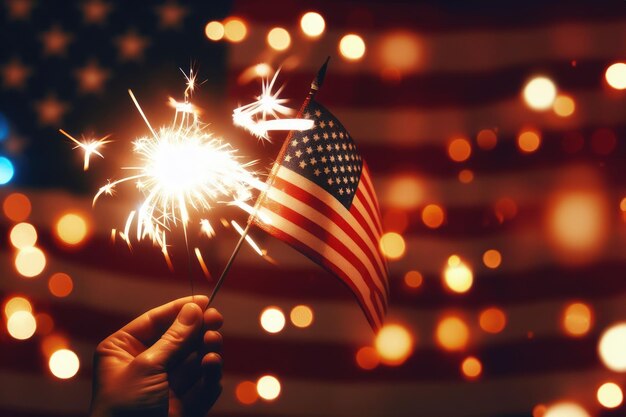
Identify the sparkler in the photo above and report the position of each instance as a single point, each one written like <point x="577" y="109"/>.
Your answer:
<point x="254" y="116"/>
<point x="88" y="146"/>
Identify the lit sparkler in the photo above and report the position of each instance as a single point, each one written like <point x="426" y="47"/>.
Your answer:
<point x="255" y="117"/>
<point x="181" y="168"/>
<point x="89" y="146"/>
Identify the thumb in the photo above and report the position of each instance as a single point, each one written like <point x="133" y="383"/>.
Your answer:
<point x="177" y="341"/>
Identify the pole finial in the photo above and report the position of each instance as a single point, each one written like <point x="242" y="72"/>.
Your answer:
<point x="319" y="78"/>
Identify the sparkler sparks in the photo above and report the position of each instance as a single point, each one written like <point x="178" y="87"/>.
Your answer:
<point x="89" y="146"/>
<point x="254" y="116"/>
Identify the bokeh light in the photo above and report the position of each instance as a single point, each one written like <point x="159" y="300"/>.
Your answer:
<point x="64" y="363"/>
<point x="23" y="235"/>
<point x="565" y="409"/>
<point x="4" y="127"/>
<point x="487" y="139"/>
<point x="492" y="320"/>
<point x="433" y="216"/>
<point x="492" y="258"/>
<point x="612" y="347"/>
<point x="529" y="140"/>
<point x="30" y="262"/>
<point x="272" y="320"/>
<point x="352" y="47"/>
<point x="394" y="344"/>
<point x="457" y="276"/>
<point x="610" y="395"/>
<point x="577" y="319"/>
<point x="471" y="367"/>
<point x="459" y="149"/>
<point x="6" y="170"/>
<point x="400" y="51"/>
<point x="268" y="387"/>
<point x="564" y="106"/>
<point x="413" y="279"/>
<point x="45" y="324"/>
<point x="452" y="333"/>
<point x="578" y="223"/>
<point x="367" y="358"/>
<point x="312" y="24"/>
<point x="15" y="304"/>
<point x="235" y="29"/>
<point x="21" y="325"/>
<point x="539" y="410"/>
<point x="16" y="207"/>
<point x="539" y="93"/>
<point x="405" y="191"/>
<point x="392" y="245"/>
<point x="278" y="39"/>
<point x="214" y="30"/>
<point x="246" y="392"/>
<point x="52" y="343"/>
<point x="466" y="176"/>
<point x="301" y="316"/>
<point x="616" y="75"/>
<point x="71" y="228"/>
<point x="60" y="284"/>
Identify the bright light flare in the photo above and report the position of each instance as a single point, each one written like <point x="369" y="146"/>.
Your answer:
<point x="610" y="395"/>
<point x="612" y="347"/>
<point x="301" y="316"/>
<point x="23" y="235"/>
<point x="264" y="114"/>
<point x="279" y="39"/>
<point x="16" y="304"/>
<point x="577" y="319"/>
<point x="30" y="262"/>
<point x="268" y="387"/>
<point x="457" y="276"/>
<point x="272" y="320"/>
<point x="471" y="367"/>
<point x="539" y="93"/>
<point x="452" y="333"/>
<point x="566" y="409"/>
<point x="616" y="75"/>
<point x="352" y="47"/>
<point x="88" y="146"/>
<point x="64" y="364"/>
<point x="312" y="24"/>
<point x="394" y="344"/>
<point x="21" y="325"/>
<point x="71" y="228"/>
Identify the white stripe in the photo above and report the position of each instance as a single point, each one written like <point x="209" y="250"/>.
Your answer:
<point x="328" y="253"/>
<point x="314" y="189"/>
<point x="331" y="227"/>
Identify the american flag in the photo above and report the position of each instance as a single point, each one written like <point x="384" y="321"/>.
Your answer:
<point x="322" y="202"/>
<point x="467" y="65"/>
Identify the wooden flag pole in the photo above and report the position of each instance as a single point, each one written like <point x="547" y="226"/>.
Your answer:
<point x="315" y="86"/>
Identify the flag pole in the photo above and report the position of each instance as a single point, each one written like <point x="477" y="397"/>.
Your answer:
<point x="315" y="86"/>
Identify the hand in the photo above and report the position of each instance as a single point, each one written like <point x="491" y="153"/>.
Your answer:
<point x="163" y="363"/>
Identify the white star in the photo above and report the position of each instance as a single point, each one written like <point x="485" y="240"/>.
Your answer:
<point x="302" y="164"/>
<point x="313" y="161"/>
<point x="331" y="123"/>
<point x="294" y="142"/>
<point x="318" y="113"/>
<point x="330" y="181"/>
<point x="317" y="172"/>
<point x="319" y="148"/>
<point x="326" y="170"/>
<point x="309" y="150"/>
<point x="298" y="153"/>
<point x="341" y="191"/>
<point x="322" y="124"/>
<point x="287" y="158"/>
<point x="324" y="159"/>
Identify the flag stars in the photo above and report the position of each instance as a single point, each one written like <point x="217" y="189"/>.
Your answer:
<point x="307" y="115"/>
<point x="316" y="137"/>
<point x="326" y="170"/>
<point x="318" y="113"/>
<point x="319" y="148"/>
<point x="50" y="111"/>
<point x="341" y="191"/>
<point x="337" y="146"/>
<point x="345" y="180"/>
<point x="131" y="46"/>
<point x="342" y="168"/>
<point x="19" y="9"/>
<point x="329" y="147"/>
<point x="91" y="78"/>
<point x="294" y="143"/>
<point x="341" y="135"/>
<point x="339" y="158"/>
<point x="305" y="139"/>
<point x="335" y="169"/>
<point x="55" y="41"/>
<point x="15" y="74"/>
<point x="171" y="15"/>
<point x="288" y="158"/>
<point x="317" y="172"/>
<point x="344" y="146"/>
<point x="322" y="124"/>
<point x="331" y="123"/>
<point x="95" y="12"/>
<point x="309" y="150"/>
<point x="330" y="181"/>
<point x="298" y="153"/>
<point x="302" y="164"/>
<point x="332" y="158"/>
<point x="313" y="161"/>
<point x="325" y="135"/>
<point x="334" y="135"/>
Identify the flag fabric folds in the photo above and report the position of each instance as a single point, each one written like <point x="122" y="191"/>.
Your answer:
<point x="322" y="202"/>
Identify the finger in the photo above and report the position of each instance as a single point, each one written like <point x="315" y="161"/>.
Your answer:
<point x="149" y="327"/>
<point x="212" y="366"/>
<point x="178" y="341"/>
<point x="186" y="375"/>
<point x="212" y="341"/>
<point x="213" y="320"/>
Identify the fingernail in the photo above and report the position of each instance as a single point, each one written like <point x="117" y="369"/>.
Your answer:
<point x="188" y="314"/>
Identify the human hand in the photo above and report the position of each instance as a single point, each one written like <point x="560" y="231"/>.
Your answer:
<point x="163" y="363"/>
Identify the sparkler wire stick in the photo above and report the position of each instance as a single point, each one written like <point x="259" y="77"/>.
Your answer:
<point x="315" y="86"/>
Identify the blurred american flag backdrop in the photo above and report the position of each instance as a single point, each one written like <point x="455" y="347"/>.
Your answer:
<point x="494" y="134"/>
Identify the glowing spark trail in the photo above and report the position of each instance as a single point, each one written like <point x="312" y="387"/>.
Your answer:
<point x="254" y="116"/>
<point x="88" y="146"/>
<point x="181" y="169"/>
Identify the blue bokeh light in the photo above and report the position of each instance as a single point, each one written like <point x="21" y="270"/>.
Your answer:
<point x="4" y="127"/>
<point x="6" y="170"/>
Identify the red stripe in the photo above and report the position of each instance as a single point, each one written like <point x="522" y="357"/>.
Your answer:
<point x="315" y="257"/>
<point x="332" y="242"/>
<point x="373" y="211"/>
<point x="315" y="203"/>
